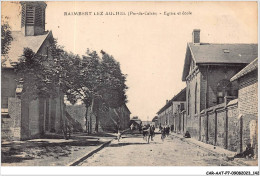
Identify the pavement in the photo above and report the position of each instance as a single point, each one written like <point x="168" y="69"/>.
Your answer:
<point x="218" y="151"/>
<point x="53" y="151"/>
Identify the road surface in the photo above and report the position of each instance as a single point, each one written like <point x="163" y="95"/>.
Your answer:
<point x="133" y="150"/>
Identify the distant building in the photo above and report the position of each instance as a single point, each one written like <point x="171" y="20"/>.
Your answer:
<point x="155" y="121"/>
<point x="207" y="71"/>
<point x="24" y="118"/>
<point x="144" y="123"/>
<point x="136" y="122"/>
<point x="170" y="114"/>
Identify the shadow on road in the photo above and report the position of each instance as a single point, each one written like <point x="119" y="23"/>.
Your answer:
<point x="30" y="150"/>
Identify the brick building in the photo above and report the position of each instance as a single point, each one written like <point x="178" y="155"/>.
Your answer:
<point x="170" y="114"/>
<point x="207" y="72"/>
<point x="24" y="118"/>
<point x="248" y="105"/>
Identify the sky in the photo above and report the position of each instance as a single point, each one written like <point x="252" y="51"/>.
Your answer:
<point x="151" y="49"/>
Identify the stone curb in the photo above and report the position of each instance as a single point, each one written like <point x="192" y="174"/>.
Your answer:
<point x="206" y="149"/>
<point x="89" y="154"/>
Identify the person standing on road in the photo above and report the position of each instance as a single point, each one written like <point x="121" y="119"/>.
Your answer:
<point x="118" y="136"/>
<point x="167" y="130"/>
<point x="150" y="133"/>
<point x="132" y="128"/>
<point x="153" y="130"/>
<point x="163" y="131"/>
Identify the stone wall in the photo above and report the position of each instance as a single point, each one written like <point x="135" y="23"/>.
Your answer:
<point x="78" y="112"/>
<point x="11" y="125"/>
<point x="218" y="125"/>
<point x="34" y="118"/>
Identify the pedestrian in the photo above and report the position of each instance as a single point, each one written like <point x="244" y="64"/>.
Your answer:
<point x="187" y="134"/>
<point x="132" y="128"/>
<point x="140" y="128"/>
<point x="167" y="130"/>
<point x="153" y="130"/>
<point x="172" y="128"/>
<point x="150" y="133"/>
<point x="163" y="133"/>
<point x="118" y="136"/>
<point x="160" y="127"/>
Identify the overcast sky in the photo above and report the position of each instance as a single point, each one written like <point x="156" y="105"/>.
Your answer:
<point x="150" y="49"/>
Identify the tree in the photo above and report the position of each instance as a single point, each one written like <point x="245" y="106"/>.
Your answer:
<point x="37" y="75"/>
<point x="97" y="82"/>
<point x="6" y="37"/>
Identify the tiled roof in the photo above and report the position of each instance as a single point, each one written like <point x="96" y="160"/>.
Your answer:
<point x="206" y="53"/>
<point x="249" y="68"/>
<point x="20" y="41"/>
<point x="181" y="96"/>
<point x="224" y="53"/>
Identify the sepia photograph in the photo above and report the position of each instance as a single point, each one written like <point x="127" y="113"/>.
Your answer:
<point x="130" y="83"/>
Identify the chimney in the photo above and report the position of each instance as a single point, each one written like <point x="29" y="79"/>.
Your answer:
<point x="33" y="17"/>
<point x="167" y="101"/>
<point x="196" y="36"/>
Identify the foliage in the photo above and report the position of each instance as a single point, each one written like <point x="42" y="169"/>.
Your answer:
<point x="37" y="76"/>
<point x="114" y="87"/>
<point x="6" y="36"/>
<point x="92" y="77"/>
<point x="96" y="81"/>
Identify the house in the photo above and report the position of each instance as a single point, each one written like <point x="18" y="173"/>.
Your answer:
<point x="155" y="121"/>
<point x="248" y="105"/>
<point x="25" y="118"/>
<point x="207" y="70"/>
<point x="136" y="122"/>
<point x="171" y="113"/>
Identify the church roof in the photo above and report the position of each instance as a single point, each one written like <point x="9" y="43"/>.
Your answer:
<point x="208" y="53"/>
<point x="19" y="42"/>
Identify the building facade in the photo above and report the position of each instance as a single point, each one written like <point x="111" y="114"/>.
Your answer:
<point x="207" y="72"/>
<point x="23" y="117"/>
<point x="171" y="113"/>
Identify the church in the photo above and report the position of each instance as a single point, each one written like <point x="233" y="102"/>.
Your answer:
<point x="25" y="118"/>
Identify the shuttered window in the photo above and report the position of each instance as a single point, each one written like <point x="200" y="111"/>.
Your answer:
<point x="29" y="15"/>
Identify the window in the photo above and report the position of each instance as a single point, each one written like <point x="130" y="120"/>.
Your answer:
<point x="29" y="15"/>
<point x="223" y="89"/>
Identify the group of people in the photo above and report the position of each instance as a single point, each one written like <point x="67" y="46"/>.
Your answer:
<point x="165" y="131"/>
<point x="148" y="132"/>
